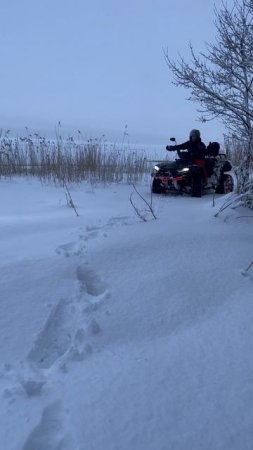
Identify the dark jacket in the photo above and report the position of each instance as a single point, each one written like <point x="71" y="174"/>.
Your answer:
<point x="195" y="150"/>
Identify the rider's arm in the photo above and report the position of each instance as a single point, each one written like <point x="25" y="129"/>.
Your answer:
<point x="183" y="146"/>
<point x="180" y="147"/>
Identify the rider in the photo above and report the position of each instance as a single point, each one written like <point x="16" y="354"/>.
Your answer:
<point x="195" y="148"/>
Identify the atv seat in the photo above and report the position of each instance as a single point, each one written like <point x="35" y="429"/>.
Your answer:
<point x="212" y="150"/>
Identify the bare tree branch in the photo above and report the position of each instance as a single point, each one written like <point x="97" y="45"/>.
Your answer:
<point x="221" y="79"/>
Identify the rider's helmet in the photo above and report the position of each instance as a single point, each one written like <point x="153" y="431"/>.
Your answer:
<point x="194" y="134"/>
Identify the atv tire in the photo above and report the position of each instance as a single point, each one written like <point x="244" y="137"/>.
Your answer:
<point x="226" y="185"/>
<point x="196" y="186"/>
<point x="156" y="187"/>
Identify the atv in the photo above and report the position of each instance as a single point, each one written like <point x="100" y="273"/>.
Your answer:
<point x="183" y="176"/>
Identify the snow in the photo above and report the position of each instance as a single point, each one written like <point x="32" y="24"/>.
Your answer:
<point x="120" y="334"/>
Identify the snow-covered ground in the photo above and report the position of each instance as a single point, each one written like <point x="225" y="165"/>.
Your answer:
<point x="118" y="334"/>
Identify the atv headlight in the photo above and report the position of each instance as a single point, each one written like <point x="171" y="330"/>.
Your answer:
<point x="156" y="168"/>
<point x="185" y="169"/>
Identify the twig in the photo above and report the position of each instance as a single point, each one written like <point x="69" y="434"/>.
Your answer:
<point x="69" y="198"/>
<point x="229" y="203"/>
<point x="249" y="266"/>
<point x="145" y="201"/>
<point x="136" y="209"/>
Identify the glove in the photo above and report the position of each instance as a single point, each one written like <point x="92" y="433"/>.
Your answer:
<point x="170" y="148"/>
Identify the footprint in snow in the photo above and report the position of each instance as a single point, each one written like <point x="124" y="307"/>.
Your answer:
<point x="55" y="338"/>
<point x="119" y="221"/>
<point x="89" y="280"/>
<point x="20" y="380"/>
<point x="61" y="340"/>
<point x="80" y="348"/>
<point x="50" y="433"/>
<point x="71" y="249"/>
<point x="92" y="232"/>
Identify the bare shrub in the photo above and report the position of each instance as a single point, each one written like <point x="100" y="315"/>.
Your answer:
<point x="143" y="214"/>
<point x="236" y="149"/>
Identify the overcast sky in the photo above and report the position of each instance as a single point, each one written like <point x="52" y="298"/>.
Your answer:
<point x="97" y="65"/>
